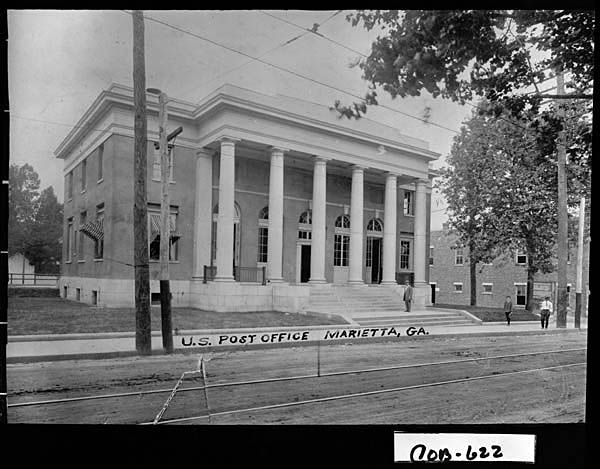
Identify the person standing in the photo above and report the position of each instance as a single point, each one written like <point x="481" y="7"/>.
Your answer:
<point x="546" y="311"/>
<point x="508" y="309"/>
<point x="408" y="295"/>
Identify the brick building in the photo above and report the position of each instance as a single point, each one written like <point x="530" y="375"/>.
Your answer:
<point x="450" y="282"/>
<point x="268" y="194"/>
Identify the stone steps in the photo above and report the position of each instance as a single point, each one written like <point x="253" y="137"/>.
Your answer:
<point x="377" y="303"/>
<point x="435" y="321"/>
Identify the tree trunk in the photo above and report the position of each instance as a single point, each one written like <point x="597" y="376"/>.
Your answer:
<point x="473" y="280"/>
<point x="530" y="278"/>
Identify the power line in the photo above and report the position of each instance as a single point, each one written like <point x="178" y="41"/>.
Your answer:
<point x="283" y="69"/>
<point x="315" y="31"/>
<point x="283" y="44"/>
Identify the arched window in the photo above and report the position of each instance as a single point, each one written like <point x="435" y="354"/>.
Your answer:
<point x="305" y="225"/>
<point x="341" y="241"/>
<point x="374" y="227"/>
<point x="263" y="235"/>
<point x="343" y="221"/>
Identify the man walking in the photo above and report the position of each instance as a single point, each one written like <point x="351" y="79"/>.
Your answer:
<point x="546" y="311"/>
<point x="508" y="309"/>
<point x="408" y="295"/>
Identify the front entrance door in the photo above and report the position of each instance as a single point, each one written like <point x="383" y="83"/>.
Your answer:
<point x="305" y="263"/>
<point x="376" y="264"/>
<point x="433" y="285"/>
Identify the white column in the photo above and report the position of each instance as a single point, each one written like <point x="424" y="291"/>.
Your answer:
<point x="355" y="276"/>
<point x="420" y="244"/>
<point x="317" y="254"/>
<point x="202" y="211"/>
<point x="226" y="211"/>
<point x="275" y="240"/>
<point x="389" y="231"/>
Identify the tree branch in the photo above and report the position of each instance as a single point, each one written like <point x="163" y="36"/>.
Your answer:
<point x="567" y="96"/>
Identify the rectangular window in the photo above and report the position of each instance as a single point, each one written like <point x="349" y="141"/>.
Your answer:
<point x="369" y="254"/>
<point x="520" y="294"/>
<point x="156" y="166"/>
<point x="458" y="287"/>
<point x="78" y="294"/>
<point x="154" y="235"/>
<point x="263" y="240"/>
<point x="82" y="220"/>
<point x="213" y="246"/>
<point x="101" y="162"/>
<point x="341" y="244"/>
<point x="70" y="235"/>
<point x="408" y="203"/>
<point x="568" y="294"/>
<point x="458" y="256"/>
<point x="99" y="243"/>
<point x="405" y="254"/>
<point x="487" y="288"/>
<point x="430" y="255"/>
<point x="83" y="174"/>
<point x="70" y="185"/>
<point x="520" y="258"/>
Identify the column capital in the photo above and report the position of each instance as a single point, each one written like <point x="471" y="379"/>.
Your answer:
<point x="277" y="149"/>
<point x="228" y="140"/>
<point x="392" y="174"/>
<point x="421" y="184"/>
<point x="321" y="159"/>
<point x="359" y="167"/>
<point x="205" y="153"/>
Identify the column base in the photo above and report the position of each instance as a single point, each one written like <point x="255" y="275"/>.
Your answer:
<point x="278" y="280"/>
<point x="355" y="283"/>
<point x="388" y="282"/>
<point x="317" y="281"/>
<point x="224" y="279"/>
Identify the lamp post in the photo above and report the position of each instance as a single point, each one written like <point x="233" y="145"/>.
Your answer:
<point x="165" y="235"/>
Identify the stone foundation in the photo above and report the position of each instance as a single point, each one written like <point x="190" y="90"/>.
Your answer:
<point x="212" y="296"/>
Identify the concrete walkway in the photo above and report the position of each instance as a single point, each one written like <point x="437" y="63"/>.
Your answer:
<point x="105" y="345"/>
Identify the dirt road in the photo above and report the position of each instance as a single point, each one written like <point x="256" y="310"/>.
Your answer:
<point x="554" y="394"/>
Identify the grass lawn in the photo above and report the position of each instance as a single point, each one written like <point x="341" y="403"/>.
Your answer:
<point x="60" y="316"/>
<point x="492" y="314"/>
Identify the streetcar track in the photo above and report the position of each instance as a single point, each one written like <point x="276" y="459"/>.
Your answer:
<point x="360" y="394"/>
<point x="288" y="378"/>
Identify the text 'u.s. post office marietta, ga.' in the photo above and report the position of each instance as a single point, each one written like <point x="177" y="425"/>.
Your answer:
<point x="271" y="197"/>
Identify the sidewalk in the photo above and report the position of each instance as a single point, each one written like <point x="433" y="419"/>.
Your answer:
<point x="107" y="345"/>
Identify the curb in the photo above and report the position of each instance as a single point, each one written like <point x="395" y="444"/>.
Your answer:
<point x="228" y="348"/>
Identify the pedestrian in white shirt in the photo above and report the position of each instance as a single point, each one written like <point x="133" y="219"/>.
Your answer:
<point x="546" y="311"/>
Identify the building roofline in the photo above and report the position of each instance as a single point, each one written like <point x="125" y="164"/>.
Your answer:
<point x="241" y="98"/>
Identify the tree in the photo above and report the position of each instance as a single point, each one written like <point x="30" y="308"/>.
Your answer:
<point x="35" y="220"/>
<point x="23" y="193"/>
<point x="44" y="247"/>
<point x="487" y="53"/>
<point x="500" y="196"/>
<point x="460" y="54"/>
<point x="464" y="186"/>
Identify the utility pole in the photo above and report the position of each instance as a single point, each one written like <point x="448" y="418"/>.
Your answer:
<point x="165" y="224"/>
<point x="562" y="241"/>
<point x="578" y="291"/>
<point x="143" y="331"/>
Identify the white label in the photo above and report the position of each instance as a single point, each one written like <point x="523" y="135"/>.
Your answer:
<point x="293" y="336"/>
<point x="443" y="447"/>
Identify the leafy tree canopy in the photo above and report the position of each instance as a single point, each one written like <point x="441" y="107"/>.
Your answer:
<point x="35" y="219"/>
<point x="461" y="54"/>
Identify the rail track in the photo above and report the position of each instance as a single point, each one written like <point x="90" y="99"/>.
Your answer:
<point x="206" y="386"/>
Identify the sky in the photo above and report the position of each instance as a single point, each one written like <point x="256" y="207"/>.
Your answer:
<point x="60" y="60"/>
